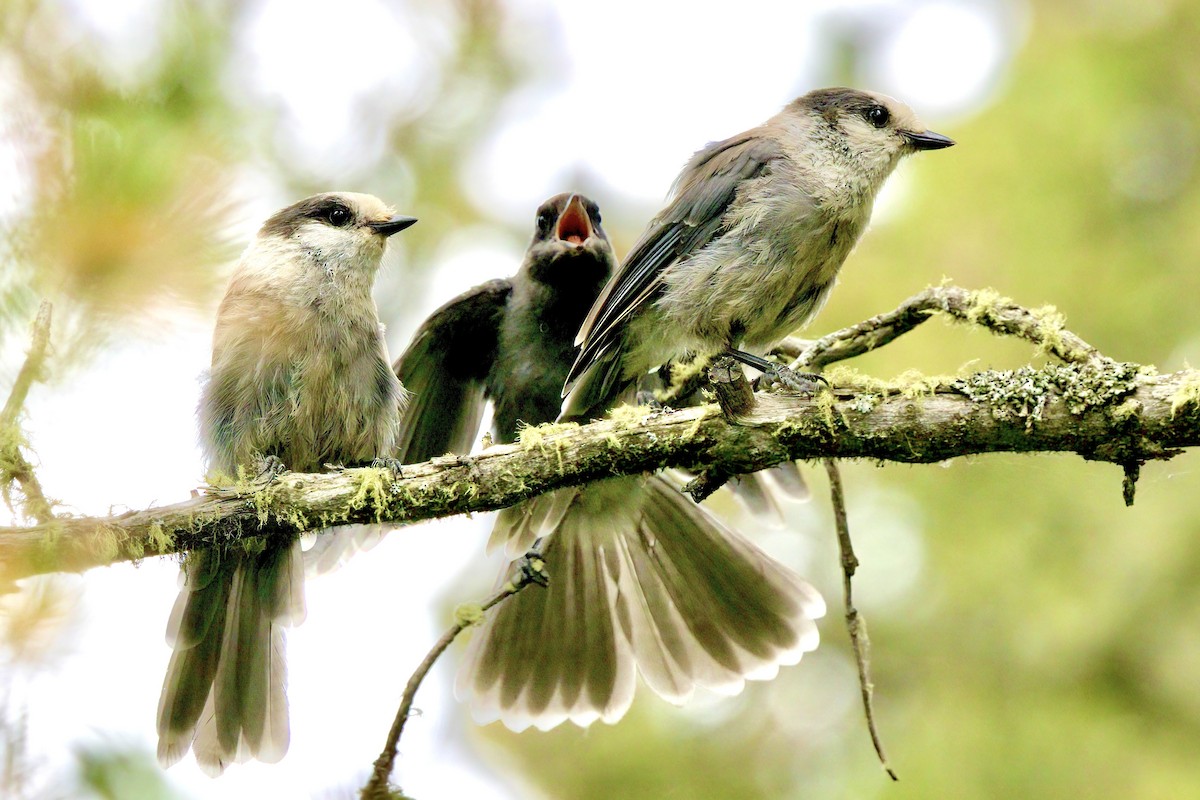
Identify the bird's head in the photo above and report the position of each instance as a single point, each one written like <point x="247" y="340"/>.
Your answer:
<point x="866" y="131"/>
<point x="569" y="245"/>
<point x="331" y="240"/>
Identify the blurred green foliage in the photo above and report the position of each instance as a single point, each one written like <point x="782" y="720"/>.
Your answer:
<point x="1047" y="641"/>
<point x="115" y="774"/>
<point x="130" y="175"/>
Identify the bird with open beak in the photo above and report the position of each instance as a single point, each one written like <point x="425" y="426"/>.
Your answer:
<point x="642" y="580"/>
<point x="509" y="341"/>
<point x="299" y="379"/>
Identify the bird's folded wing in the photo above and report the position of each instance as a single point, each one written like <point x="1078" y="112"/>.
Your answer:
<point x="704" y="192"/>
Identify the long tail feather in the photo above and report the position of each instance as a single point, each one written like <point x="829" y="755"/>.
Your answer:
<point x="225" y="693"/>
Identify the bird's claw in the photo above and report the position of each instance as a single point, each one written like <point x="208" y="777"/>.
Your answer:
<point x="532" y="569"/>
<point x="268" y="468"/>
<point x="777" y="375"/>
<point x="645" y="398"/>
<point x="387" y="462"/>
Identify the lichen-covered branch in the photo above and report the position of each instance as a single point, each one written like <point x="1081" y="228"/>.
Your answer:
<point x="1116" y="413"/>
<point x="1090" y="405"/>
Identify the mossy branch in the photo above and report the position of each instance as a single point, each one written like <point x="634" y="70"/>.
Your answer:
<point x="1094" y="407"/>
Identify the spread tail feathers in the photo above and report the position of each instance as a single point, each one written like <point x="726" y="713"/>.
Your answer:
<point x="640" y="577"/>
<point x="226" y="684"/>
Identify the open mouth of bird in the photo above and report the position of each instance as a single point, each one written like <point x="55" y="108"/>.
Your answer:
<point x="573" y="226"/>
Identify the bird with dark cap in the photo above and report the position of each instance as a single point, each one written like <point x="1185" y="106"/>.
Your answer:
<point x="749" y="245"/>
<point x="299" y="379"/>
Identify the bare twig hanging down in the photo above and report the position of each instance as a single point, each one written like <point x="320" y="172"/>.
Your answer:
<point x="377" y="786"/>
<point x="856" y="624"/>
<point x="1097" y="408"/>
<point x="737" y="403"/>
<point x="13" y="464"/>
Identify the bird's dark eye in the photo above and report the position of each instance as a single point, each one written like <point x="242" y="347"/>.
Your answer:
<point x="877" y="116"/>
<point x="338" y="216"/>
<point x="544" y="220"/>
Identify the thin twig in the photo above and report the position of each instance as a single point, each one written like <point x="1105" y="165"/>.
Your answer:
<point x="16" y="466"/>
<point x="377" y="786"/>
<point x="856" y="624"/>
<point x="986" y="308"/>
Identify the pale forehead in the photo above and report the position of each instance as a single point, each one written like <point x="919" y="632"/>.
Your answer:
<point x="368" y="206"/>
<point x="364" y="207"/>
<point x="901" y="113"/>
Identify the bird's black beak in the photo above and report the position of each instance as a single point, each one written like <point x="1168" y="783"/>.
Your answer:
<point x="926" y="140"/>
<point x="393" y="225"/>
<point x="574" y="225"/>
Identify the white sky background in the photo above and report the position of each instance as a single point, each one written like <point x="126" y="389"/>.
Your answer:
<point x="671" y="77"/>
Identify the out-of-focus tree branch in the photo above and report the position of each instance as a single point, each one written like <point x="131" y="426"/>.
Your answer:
<point x="13" y="464"/>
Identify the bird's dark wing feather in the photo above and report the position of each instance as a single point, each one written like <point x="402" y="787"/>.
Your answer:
<point x="444" y="370"/>
<point x="705" y="190"/>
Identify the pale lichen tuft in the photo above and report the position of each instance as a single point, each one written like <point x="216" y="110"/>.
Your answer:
<point x="468" y="614"/>
<point x="1188" y="393"/>
<point x="373" y="486"/>
<point x="1050" y="326"/>
<point x="1025" y="392"/>
<point x="531" y="436"/>
<point x="983" y="304"/>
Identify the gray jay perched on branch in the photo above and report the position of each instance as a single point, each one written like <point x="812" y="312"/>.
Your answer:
<point x="299" y="377"/>
<point x="642" y="580"/>
<point x="749" y="245"/>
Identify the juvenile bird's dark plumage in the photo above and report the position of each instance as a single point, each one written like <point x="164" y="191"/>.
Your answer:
<point x="641" y="579"/>
<point x="300" y="374"/>
<point x="509" y="341"/>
